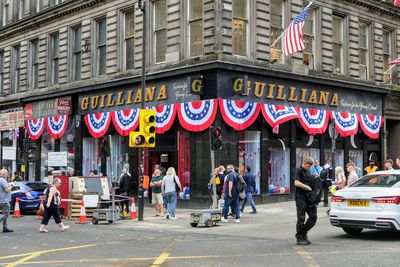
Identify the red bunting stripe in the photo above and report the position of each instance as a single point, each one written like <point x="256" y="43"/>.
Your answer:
<point x="238" y="114"/>
<point x="345" y="123"/>
<point x="165" y="117"/>
<point x="314" y="121"/>
<point x="125" y="121"/>
<point x="35" y="128"/>
<point x="98" y="123"/>
<point x="371" y="125"/>
<point x="276" y="115"/>
<point x="197" y="116"/>
<point x="56" y="126"/>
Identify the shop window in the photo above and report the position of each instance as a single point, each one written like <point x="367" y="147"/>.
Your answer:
<point x="339" y="158"/>
<point x="76" y="53"/>
<point x="337" y="43"/>
<point x="184" y="163"/>
<point x="101" y="47"/>
<point x="309" y="40"/>
<point x="48" y="145"/>
<point x="119" y="157"/>
<point x="240" y="27"/>
<point x="67" y="144"/>
<point x="8" y="151"/>
<point x="16" y="69"/>
<point x="277" y="24"/>
<point x="34" y="64"/>
<point x="90" y="155"/>
<point x="279" y="171"/>
<point x="356" y="156"/>
<point x="196" y="28"/>
<point x="129" y="40"/>
<point x="301" y="153"/>
<point x="54" y="54"/>
<point x="160" y="30"/>
<point x="249" y="153"/>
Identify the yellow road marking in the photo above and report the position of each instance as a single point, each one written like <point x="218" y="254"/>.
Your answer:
<point x="165" y="254"/>
<point x="305" y="256"/>
<point x="23" y="260"/>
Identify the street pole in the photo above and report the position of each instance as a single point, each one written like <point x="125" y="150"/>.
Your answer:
<point x="143" y="7"/>
<point x="333" y="148"/>
<point x="214" y="185"/>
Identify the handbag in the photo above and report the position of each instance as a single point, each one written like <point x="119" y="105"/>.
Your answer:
<point x="177" y="188"/>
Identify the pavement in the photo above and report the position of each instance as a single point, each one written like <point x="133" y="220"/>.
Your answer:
<point x="263" y="239"/>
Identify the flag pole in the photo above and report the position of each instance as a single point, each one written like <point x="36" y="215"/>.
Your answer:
<point x="389" y="69"/>
<point x="280" y="36"/>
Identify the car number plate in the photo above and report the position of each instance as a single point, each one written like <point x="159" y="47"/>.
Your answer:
<point x="216" y="217"/>
<point x="358" y="203"/>
<point x="196" y="218"/>
<point x="102" y="216"/>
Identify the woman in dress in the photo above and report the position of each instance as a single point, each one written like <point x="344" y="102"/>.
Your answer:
<point x="52" y="206"/>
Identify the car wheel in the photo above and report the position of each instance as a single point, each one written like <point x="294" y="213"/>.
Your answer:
<point x="194" y="224"/>
<point x="352" y="231"/>
<point x="95" y="220"/>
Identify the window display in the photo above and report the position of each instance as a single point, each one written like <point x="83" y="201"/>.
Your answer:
<point x="90" y="154"/>
<point x="48" y="145"/>
<point x="279" y="171"/>
<point x="249" y="154"/>
<point x="356" y="156"/>
<point x="306" y="152"/>
<point x="119" y="156"/>
<point x="339" y="157"/>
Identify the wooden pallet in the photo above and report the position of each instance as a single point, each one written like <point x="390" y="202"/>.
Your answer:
<point x="74" y="209"/>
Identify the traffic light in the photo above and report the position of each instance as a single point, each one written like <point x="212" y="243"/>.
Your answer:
<point x="146" y="136"/>
<point x="105" y="146"/>
<point x="215" y="138"/>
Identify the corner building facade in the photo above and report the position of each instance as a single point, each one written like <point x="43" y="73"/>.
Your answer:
<point x="74" y="68"/>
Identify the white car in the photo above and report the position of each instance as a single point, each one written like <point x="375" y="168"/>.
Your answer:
<point x="373" y="201"/>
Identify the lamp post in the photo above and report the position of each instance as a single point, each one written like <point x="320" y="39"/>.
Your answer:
<point x="143" y="7"/>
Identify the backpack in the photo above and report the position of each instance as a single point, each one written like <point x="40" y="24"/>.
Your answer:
<point x="314" y="197"/>
<point x="240" y="184"/>
<point x="324" y="174"/>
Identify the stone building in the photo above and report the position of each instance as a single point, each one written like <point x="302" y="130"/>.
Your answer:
<point x="77" y="58"/>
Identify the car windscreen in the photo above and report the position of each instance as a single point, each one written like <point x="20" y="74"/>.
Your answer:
<point x="18" y="186"/>
<point x="37" y="186"/>
<point x="378" y="180"/>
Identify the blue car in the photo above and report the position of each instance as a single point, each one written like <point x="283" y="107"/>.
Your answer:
<point x="29" y="194"/>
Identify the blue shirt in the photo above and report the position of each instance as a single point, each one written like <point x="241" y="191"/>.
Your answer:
<point x="315" y="170"/>
<point x="250" y="180"/>
<point x="5" y="197"/>
<point x="230" y="177"/>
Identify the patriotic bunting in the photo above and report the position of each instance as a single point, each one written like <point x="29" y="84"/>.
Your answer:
<point x="371" y="125"/>
<point x="56" y="126"/>
<point x="197" y="116"/>
<point x="165" y="117"/>
<point x="275" y="114"/>
<point x="35" y="128"/>
<point x="314" y="121"/>
<point x="98" y="123"/>
<point x="238" y="114"/>
<point x="345" y="123"/>
<point x="125" y="121"/>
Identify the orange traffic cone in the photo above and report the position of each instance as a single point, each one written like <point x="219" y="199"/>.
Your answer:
<point x="133" y="209"/>
<point x="17" y="212"/>
<point x="41" y="207"/>
<point x="82" y="215"/>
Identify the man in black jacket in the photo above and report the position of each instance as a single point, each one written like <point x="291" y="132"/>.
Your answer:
<point x="250" y="180"/>
<point x="302" y="181"/>
<point x="125" y="186"/>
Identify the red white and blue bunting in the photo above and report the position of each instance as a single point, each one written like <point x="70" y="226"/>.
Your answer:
<point x="98" y="123"/>
<point x="165" y="117"/>
<point x="345" y="123"/>
<point x="314" y="121"/>
<point x="35" y="128"/>
<point x="125" y="121"/>
<point x="197" y="116"/>
<point x="275" y="114"/>
<point x="371" y="125"/>
<point x="238" y="114"/>
<point x="56" y="126"/>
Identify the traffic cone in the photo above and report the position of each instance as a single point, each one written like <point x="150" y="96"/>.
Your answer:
<point x="82" y="215"/>
<point x="17" y="212"/>
<point x="41" y="207"/>
<point x="133" y="209"/>
<point x="124" y="212"/>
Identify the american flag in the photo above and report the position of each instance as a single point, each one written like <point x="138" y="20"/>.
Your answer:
<point x="396" y="61"/>
<point x="396" y="2"/>
<point x="293" y="37"/>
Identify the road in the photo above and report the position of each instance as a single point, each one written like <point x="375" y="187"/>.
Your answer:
<point x="264" y="239"/>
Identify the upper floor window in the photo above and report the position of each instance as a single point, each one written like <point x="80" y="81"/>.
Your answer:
<point x="337" y="42"/>
<point x="76" y="53"/>
<point x="101" y="46"/>
<point x="160" y="30"/>
<point x="240" y="24"/>
<point x="16" y="69"/>
<point x="387" y="53"/>
<point x="54" y="53"/>
<point x="34" y="63"/>
<point x="36" y="6"/>
<point x="21" y="9"/>
<point x="6" y="12"/>
<point x="277" y="25"/>
<point x="2" y="72"/>
<point x="195" y="28"/>
<point x="363" y="44"/>
<point x="309" y="40"/>
<point x="129" y="40"/>
<point x="56" y="2"/>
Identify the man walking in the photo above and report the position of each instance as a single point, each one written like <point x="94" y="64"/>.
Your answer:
<point x="302" y="180"/>
<point x="125" y="185"/>
<point x="250" y="180"/>
<point x="352" y="177"/>
<point x="231" y="195"/>
<point x="5" y="198"/>
<point x="157" y="199"/>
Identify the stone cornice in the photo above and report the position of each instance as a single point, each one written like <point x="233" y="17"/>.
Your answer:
<point x="45" y="16"/>
<point x="378" y="5"/>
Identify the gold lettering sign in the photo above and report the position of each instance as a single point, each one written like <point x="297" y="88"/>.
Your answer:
<point x="197" y="85"/>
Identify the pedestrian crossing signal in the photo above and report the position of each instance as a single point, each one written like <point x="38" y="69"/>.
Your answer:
<point x="215" y="138"/>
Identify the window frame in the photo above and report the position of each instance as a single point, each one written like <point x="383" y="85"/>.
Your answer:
<point x="366" y="50"/>
<point x="125" y="39"/>
<point x="97" y="47"/>
<point x="34" y="63"/>
<point x="279" y="51"/>
<point x="158" y="30"/>
<point x="5" y="12"/>
<point x="341" y="43"/>
<point x="191" y="21"/>
<point x="1" y="72"/>
<point x="16" y="69"/>
<point x="54" y="60"/>
<point x="74" y="52"/>
<point x="387" y="77"/>
<point x="313" y="12"/>
<point x="247" y="27"/>
<point x="20" y="9"/>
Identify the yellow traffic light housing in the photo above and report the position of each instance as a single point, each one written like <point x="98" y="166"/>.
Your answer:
<point x="147" y="127"/>
<point x="136" y="139"/>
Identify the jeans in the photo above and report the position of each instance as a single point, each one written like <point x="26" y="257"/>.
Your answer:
<point x="171" y="199"/>
<point x="5" y="207"/>
<point x="249" y="198"/>
<point x="232" y="202"/>
<point x="302" y="208"/>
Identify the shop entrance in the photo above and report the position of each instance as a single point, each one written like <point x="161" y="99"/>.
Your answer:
<point x="162" y="159"/>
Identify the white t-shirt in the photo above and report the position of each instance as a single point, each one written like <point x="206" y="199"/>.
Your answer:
<point x="169" y="184"/>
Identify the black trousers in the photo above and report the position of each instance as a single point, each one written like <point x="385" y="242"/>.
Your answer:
<point x="52" y="211"/>
<point x="325" y="186"/>
<point x="303" y="226"/>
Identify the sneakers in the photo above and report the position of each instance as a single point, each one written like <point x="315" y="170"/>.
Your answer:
<point x="237" y="221"/>
<point x="65" y="228"/>
<point x="224" y="220"/>
<point x="302" y="242"/>
<point x="6" y="230"/>
<point x="173" y="218"/>
<point x="43" y="231"/>
<point x="253" y="212"/>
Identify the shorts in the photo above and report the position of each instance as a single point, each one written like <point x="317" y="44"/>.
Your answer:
<point x="157" y="199"/>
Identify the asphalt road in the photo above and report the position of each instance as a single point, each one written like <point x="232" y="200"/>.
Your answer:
<point x="264" y="239"/>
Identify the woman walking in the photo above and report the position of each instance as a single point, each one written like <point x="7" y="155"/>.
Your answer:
<point x="52" y="207"/>
<point x="340" y="178"/>
<point x="171" y="185"/>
